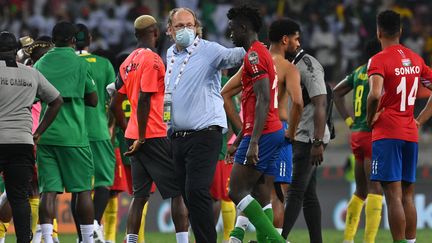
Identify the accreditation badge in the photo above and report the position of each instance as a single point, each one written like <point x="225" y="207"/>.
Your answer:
<point x="167" y="107"/>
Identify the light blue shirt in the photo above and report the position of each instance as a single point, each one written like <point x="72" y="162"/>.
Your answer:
<point x="196" y="100"/>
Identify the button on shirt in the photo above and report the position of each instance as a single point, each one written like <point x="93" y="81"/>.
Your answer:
<point x="196" y="100"/>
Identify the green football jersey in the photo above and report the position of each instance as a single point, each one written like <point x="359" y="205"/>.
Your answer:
<point x="358" y="80"/>
<point x="103" y="74"/>
<point x="70" y="75"/>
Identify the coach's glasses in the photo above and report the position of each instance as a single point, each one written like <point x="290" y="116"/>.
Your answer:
<point x="182" y="26"/>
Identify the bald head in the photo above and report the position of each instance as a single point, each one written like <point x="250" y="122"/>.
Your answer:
<point x="183" y="17"/>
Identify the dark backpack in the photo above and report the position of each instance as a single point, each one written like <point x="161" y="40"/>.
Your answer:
<point x="307" y="100"/>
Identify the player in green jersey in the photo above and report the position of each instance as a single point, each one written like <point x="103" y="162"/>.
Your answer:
<point x="103" y="74"/>
<point x="361" y="144"/>
<point x="64" y="157"/>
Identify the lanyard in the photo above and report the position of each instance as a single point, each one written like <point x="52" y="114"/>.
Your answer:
<point x="171" y="64"/>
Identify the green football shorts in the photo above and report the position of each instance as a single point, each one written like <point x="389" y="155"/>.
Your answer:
<point x="64" y="168"/>
<point x="104" y="162"/>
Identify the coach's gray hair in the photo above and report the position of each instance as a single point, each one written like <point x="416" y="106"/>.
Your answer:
<point x="197" y="22"/>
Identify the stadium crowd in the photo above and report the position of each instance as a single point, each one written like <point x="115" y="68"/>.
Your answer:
<point x="334" y="32"/>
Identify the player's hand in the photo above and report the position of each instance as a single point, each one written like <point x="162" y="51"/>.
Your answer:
<point x="290" y="137"/>
<point x="417" y="123"/>
<point x="134" y="147"/>
<point x="36" y="138"/>
<point x="375" y="118"/>
<point x="229" y="158"/>
<point x="252" y="154"/>
<point x="316" y="155"/>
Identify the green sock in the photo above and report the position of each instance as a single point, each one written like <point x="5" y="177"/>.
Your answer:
<point x="238" y="233"/>
<point x="400" y="241"/>
<point x="259" y="219"/>
<point x="269" y="213"/>
<point x="261" y="237"/>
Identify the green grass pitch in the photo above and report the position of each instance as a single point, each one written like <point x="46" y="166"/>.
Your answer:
<point x="297" y="236"/>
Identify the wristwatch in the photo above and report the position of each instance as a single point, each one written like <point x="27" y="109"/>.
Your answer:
<point x="317" y="142"/>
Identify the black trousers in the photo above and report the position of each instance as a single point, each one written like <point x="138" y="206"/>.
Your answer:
<point x="195" y="157"/>
<point x="16" y="163"/>
<point x="302" y="193"/>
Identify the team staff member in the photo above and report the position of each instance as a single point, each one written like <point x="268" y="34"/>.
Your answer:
<point x="103" y="74"/>
<point x="361" y="145"/>
<point x="19" y="85"/>
<point x="308" y="148"/>
<point x="142" y="80"/>
<point x="64" y="156"/>
<point x="193" y="83"/>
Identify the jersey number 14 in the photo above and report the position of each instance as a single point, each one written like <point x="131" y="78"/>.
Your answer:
<point x="401" y="88"/>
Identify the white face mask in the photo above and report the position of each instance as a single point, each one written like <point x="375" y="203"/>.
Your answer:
<point x="184" y="37"/>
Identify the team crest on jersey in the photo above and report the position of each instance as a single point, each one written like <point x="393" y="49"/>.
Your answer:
<point x="406" y="62"/>
<point x="253" y="58"/>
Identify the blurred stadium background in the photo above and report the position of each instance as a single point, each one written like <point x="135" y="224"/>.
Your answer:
<point x="333" y="31"/>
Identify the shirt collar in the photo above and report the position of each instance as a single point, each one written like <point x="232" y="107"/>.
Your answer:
<point x="82" y="53"/>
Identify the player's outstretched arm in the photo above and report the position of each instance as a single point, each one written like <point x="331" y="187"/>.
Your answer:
<point x="376" y="84"/>
<point x="339" y="91"/>
<point x="49" y="116"/>
<point x="232" y="88"/>
<point x="293" y="87"/>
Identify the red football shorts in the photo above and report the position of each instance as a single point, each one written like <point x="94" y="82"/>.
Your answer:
<point x="361" y="145"/>
<point x="120" y="175"/>
<point x="219" y="187"/>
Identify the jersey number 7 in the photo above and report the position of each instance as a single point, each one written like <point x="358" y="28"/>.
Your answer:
<point x="401" y="88"/>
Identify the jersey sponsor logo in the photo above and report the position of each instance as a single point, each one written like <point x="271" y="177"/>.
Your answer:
<point x="253" y="58"/>
<point x="407" y="70"/>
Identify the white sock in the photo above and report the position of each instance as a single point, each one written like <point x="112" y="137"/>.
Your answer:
<point x="2" y="240"/>
<point x="47" y="231"/>
<point x="245" y="202"/>
<point x="242" y="222"/>
<point x="279" y="230"/>
<point x="87" y="233"/>
<point x="37" y="237"/>
<point x="411" y="241"/>
<point x="3" y="199"/>
<point x="131" y="238"/>
<point x="267" y="207"/>
<point x="182" y="237"/>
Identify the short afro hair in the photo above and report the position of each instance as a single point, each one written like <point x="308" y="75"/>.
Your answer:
<point x="247" y="13"/>
<point x="82" y="36"/>
<point x="389" y="22"/>
<point x="281" y="27"/>
<point x="63" y="32"/>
